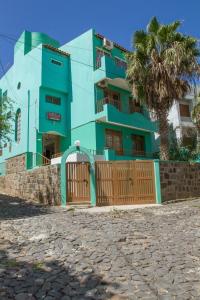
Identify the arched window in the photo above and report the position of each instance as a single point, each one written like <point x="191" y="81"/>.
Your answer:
<point x="18" y="126"/>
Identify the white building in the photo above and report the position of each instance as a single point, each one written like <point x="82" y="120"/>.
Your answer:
<point x="180" y="119"/>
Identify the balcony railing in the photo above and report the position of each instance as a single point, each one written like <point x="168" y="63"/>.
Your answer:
<point x="100" y="103"/>
<point x="118" y="105"/>
<point x="117" y="61"/>
<point x="131" y="153"/>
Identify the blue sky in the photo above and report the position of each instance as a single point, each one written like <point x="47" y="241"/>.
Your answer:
<point x="65" y="19"/>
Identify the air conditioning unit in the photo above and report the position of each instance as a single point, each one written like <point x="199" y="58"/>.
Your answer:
<point x="108" y="44"/>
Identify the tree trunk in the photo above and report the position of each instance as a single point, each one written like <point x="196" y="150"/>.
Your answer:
<point x="164" y="136"/>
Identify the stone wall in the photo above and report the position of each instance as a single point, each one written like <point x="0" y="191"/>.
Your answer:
<point x="40" y="184"/>
<point x="179" y="180"/>
<point x="16" y="164"/>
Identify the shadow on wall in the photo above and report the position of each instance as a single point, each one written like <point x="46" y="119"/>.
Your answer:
<point x="50" y="280"/>
<point x="13" y="208"/>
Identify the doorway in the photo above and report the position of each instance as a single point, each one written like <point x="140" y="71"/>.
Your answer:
<point x="51" y="145"/>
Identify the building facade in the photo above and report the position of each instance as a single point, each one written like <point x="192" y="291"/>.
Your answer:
<point x="73" y="92"/>
<point x="180" y="119"/>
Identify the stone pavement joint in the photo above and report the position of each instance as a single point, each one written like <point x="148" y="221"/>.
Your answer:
<point x="51" y="253"/>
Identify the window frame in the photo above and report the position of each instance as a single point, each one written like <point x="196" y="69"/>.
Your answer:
<point x="18" y="127"/>
<point x="134" y="106"/>
<point x="184" y="109"/>
<point x="110" y="96"/>
<point x="113" y="134"/>
<point x="135" y="146"/>
<point x="56" y="62"/>
<point x="53" y="99"/>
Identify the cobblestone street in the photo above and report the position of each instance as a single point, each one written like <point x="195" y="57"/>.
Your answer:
<point x="52" y="253"/>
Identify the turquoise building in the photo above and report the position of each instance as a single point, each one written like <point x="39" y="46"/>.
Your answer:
<point x="73" y="92"/>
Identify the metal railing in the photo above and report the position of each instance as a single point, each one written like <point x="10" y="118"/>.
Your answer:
<point x="100" y="103"/>
<point x="118" y="105"/>
<point x="41" y="160"/>
<point x="131" y="152"/>
<point x="117" y="61"/>
<point x="94" y="152"/>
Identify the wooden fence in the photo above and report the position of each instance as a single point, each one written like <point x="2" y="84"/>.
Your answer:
<point x="125" y="182"/>
<point x="117" y="182"/>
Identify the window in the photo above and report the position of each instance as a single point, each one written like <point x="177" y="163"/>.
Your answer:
<point x="56" y="62"/>
<point x="19" y="85"/>
<point x="112" y="98"/>
<point x="99" y="54"/>
<point x="10" y="147"/>
<point x="187" y="141"/>
<point x="1" y="152"/>
<point x="184" y="110"/>
<point x="18" y="126"/>
<point x="134" y="106"/>
<point x="120" y="63"/>
<point x="138" y="144"/>
<point x="53" y="100"/>
<point x="114" y="141"/>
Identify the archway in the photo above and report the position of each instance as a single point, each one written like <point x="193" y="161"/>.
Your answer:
<point x="74" y="149"/>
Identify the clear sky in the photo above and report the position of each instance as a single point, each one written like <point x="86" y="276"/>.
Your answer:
<point x="115" y="19"/>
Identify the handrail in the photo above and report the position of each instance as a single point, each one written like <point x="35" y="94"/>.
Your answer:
<point x="45" y="160"/>
<point x="131" y="152"/>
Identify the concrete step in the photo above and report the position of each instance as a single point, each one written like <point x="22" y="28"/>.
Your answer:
<point x="78" y="204"/>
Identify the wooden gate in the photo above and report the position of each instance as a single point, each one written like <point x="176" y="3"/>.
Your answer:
<point x="125" y="182"/>
<point x="78" y="182"/>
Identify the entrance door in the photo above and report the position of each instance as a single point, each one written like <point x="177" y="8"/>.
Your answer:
<point x="50" y="145"/>
<point x="78" y="182"/>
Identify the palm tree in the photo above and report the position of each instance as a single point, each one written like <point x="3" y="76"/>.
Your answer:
<point x="160" y="69"/>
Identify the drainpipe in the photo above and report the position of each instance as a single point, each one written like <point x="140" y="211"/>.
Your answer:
<point x="28" y="121"/>
<point x="28" y="154"/>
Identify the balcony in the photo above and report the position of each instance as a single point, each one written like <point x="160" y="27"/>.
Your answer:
<point x="117" y="104"/>
<point x="111" y="111"/>
<point x="109" y="67"/>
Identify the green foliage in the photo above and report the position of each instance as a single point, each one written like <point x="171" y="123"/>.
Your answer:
<point x="161" y="65"/>
<point x="160" y="68"/>
<point x="179" y="152"/>
<point x="6" y="118"/>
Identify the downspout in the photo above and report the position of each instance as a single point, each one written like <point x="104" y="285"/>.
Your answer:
<point x="29" y="156"/>
<point x="28" y="121"/>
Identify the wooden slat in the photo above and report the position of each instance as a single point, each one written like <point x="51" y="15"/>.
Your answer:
<point x="125" y="182"/>
<point x="78" y="182"/>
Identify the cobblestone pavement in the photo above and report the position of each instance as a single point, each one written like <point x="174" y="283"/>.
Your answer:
<point x="50" y="253"/>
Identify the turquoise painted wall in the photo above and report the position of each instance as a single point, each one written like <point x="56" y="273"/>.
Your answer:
<point x="85" y="92"/>
<point x="74" y="81"/>
<point x="126" y="137"/>
<point x="30" y="40"/>
<point x="82" y="78"/>
<point x="35" y="72"/>
<point x="28" y="72"/>
<point x="86" y="134"/>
